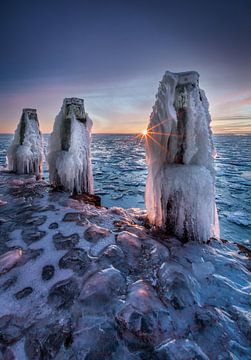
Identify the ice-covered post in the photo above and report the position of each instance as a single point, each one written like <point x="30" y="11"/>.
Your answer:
<point x="180" y="192"/>
<point x="69" y="155"/>
<point x="25" y="154"/>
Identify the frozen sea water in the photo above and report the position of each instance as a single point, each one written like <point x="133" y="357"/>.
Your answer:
<point x="120" y="175"/>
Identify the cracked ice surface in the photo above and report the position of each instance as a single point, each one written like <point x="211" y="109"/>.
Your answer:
<point x="80" y="282"/>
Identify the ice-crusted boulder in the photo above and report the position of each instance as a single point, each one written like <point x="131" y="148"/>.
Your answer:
<point x="69" y="156"/>
<point x="25" y="154"/>
<point x="180" y="185"/>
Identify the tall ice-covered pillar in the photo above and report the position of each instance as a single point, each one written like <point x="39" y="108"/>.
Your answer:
<point x="69" y="154"/>
<point x="25" y="154"/>
<point x="180" y="189"/>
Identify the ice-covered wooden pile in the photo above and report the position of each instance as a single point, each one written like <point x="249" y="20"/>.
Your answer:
<point x="25" y="153"/>
<point x="180" y="186"/>
<point x="69" y="157"/>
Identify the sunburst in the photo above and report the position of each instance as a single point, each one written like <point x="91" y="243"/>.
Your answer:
<point x="150" y="134"/>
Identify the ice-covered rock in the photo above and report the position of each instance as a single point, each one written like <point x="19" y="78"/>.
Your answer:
<point x="143" y="319"/>
<point x="182" y="349"/>
<point x="180" y="184"/>
<point x="9" y="259"/>
<point x="94" y="233"/>
<point x="102" y="288"/>
<point x="25" y="154"/>
<point x="69" y="157"/>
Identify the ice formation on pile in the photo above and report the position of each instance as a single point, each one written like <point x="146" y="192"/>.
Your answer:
<point x="25" y="154"/>
<point x="180" y="184"/>
<point x="69" y="157"/>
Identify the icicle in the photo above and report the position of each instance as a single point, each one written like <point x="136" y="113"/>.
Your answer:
<point x="180" y="195"/>
<point x="25" y="154"/>
<point x="69" y="156"/>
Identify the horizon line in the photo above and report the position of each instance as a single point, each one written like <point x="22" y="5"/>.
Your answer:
<point x="136" y="133"/>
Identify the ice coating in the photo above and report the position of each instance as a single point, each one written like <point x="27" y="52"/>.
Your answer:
<point x="180" y="184"/>
<point x="25" y="154"/>
<point x="69" y="157"/>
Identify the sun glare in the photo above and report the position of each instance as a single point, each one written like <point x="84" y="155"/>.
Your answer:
<point x="144" y="132"/>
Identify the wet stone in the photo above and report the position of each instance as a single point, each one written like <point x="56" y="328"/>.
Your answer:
<point x="53" y="226"/>
<point x="62" y="242"/>
<point x="64" y="293"/>
<point x="31" y="235"/>
<point x="75" y="259"/>
<point x="48" y="272"/>
<point x="94" y="233"/>
<point x="23" y="293"/>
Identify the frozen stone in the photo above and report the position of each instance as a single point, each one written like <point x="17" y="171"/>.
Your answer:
<point x="6" y="353"/>
<point x="180" y="195"/>
<point x="53" y="226"/>
<point x="48" y="272"/>
<point x="87" y="198"/>
<point x="177" y="287"/>
<point x="62" y="242"/>
<point x="36" y="221"/>
<point x="23" y="293"/>
<point x="113" y="255"/>
<point x="31" y="235"/>
<point x="9" y="259"/>
<point x="143" y="320"/>
<point x="73" y="216"/>
<point x="45" y="339"/>
<point x="8" y="283"/>
<point x="69" y="157"/>
<point x="129" y="242"/>
<point x="29" y="254"/>
<point x="96" y="340"/>
<point x="94" y="233"/>
<point x="75" y="259"/>
<point x="64" y="293"/>
<point x="131" y="246"/>
<point x="102" y="288"/>
<point x="202" y="270"/>
<point x="154" y="252"/>
<point x="11" y="328"/>
<point x="181" y="349"/>
<point x="25" y="154"/>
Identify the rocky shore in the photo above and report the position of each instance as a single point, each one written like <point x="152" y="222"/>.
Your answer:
<point x="84" y="282"/>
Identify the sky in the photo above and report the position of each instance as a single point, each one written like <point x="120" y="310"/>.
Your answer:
<point x="114" y="53"/>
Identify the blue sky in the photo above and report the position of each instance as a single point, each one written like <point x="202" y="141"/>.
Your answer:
<point x="113" y="53"/>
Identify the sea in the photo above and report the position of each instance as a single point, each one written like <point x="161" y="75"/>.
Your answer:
<point x="120" y="173"/>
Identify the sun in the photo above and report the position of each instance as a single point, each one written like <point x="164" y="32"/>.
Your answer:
<point x="144" y="132"/>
